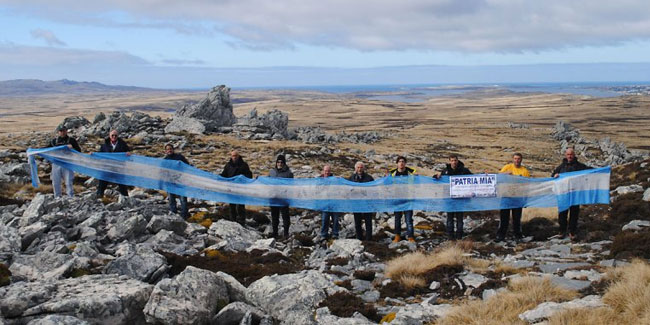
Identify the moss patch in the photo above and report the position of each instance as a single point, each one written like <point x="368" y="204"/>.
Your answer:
<point x="629" y="244"/>
<point x="245" y="267"/>
<point x="364" y="275"/>
<point x="345" y="304"/>
<point x="540" y="228"/>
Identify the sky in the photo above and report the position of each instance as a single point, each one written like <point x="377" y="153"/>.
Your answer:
<point x="254" y="43"/>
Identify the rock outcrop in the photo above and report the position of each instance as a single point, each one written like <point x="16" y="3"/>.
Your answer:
<point x="212" y="112"/>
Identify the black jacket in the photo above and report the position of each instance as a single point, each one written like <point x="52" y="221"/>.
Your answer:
<point x="285" y="172"/>
<point x="177" y="156"/>
<point x="120" y="147"/>
<point x="566" y="167"/>
<point x="364" y="178"/>
<point x="460" y="170"/>
<point x="60" y="141"/>
<point x="239" y="167"/>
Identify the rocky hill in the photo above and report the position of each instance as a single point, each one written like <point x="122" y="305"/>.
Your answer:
<point x="29" y="87"/>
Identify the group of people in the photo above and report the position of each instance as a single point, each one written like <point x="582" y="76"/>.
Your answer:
<point x="237" y="166"/>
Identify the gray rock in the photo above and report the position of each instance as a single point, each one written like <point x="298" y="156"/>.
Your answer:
<point x="636" y="225"/>
<point x="569" y="284"/>
<point x="413" y="314"/>
<point x="45" y="266"/>
<point x="628" y="189"/>
<point x="192" y="297"/>
<point x="488" y="293"/>
<point x="167" y="241"/>
<point x="291" y="297"/>
<point x="547" y="309"/>
<point x="346" y="248"/>
<point x="612" y="263"/>
<point x="141" y="263"/>
<point x="473" y="280"/>
<point x="324" y="317"/>
<point x="522" y="264"/>
<point x="58" y="320"/>
<point x="185" y="124"/>
<point x="434" y="285"/>
<point x="591" y="275"/>
<point x="75" y="122"/>
<point x="214" y="111"/>
<point x="170" y="222"/>
<point x="236" y="290"/>
<point x="371" y="296"/>
<point x="232" y="235"/>
<point x="556" y="267"/>
<point x="10" y="243"/>
<point x="233" y="314"/>
<point x="97" y="299"/>
<point x="361" y="285"/>
<point x="646" y="195"/>
<point x="129" y="228"/>
<point x="271" y="125"/>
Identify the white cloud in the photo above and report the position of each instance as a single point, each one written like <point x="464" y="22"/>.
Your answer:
<point x="47" y="36"/>
<point x="472" y="26"/>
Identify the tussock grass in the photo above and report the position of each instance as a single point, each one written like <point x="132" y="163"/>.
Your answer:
<point x="504" y="308"/>
<point x="410" y="269"/>
<point x="627" y="299"/>
<point x="546" y="213"/>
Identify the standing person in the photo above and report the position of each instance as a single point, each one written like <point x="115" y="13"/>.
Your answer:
<point x="237" y="166"/>
<point x="170" y="155"/>
<point x="515" y="168"/>
<point x="402" y="170"/>
<point x="326" y="216"/>
<point x="281" y="170"/>
<point x="113" y="144"/>
<point x="454" y="167"/>
<point x="58" y="172"/>
<point x="569" y="164"/>
<point x="360" y="176"/>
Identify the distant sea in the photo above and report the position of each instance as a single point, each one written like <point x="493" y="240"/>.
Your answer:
<point x="422" y="92"/>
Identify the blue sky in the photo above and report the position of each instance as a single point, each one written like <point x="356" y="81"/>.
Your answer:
<point x="199" y="43"/>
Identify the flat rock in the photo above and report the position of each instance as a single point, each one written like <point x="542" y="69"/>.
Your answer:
<point x="58" y="320"/>
<point x="569" y="283"/>
<point x="547" y="309"/>
<point x="141" y="263"/>
<point x="232" y="235"/>
<point x="636" y="225"/>
<point x="45" y="266"/>
<point x="473" y="280"/>
<point x="556" y="267"/>
<point x="97" y="299"/>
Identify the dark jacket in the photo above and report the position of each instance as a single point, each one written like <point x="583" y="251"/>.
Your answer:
<point x="460" y="170"/>
<point x="60" y="141"/>
<point x="328" y="175"/>
<point x="364" y="178"/>
<point x="240" y="167"/>
<point x="120" y="147"/>
<point x="177" y="156"/>
<point x="285" y="172"/>
<point x="566" y="167"/>
<point x="407" y="171"/>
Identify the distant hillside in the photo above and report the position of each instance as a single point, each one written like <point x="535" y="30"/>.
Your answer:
<point x="23" y="87"/>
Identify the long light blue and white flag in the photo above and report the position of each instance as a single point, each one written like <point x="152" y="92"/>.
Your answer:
<point x="337" y="194"/>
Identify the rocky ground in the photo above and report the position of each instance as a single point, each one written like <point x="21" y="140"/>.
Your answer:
<point x="128" y="260"/>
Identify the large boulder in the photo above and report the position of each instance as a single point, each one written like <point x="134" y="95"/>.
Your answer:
<point x="192" y="297"/>
<point x="232" y="236"/>
<point x="214" y="111"/>
<point x="270" y="125"/>
<point x="292" y="298"/>
<point x="45" y="266"/>
<point x="98" y="299"/>
<point x="185" y="124"/>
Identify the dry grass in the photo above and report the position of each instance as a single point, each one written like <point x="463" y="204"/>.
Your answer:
<point x="627" y="299"/>
<point x="410" y="269"/>
<point x="504" y="308"/>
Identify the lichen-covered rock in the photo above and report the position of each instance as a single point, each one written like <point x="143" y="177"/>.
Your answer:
<point x="129" y="228"/>
<point x="185" y="124"/>
<point x="98" y="299"/>
<point x="58" y="320"/>
<point x="10" y="243"/>
<point x="233" y="314"/>
<point x="292" y="298"/>
<point x="45" y="266"/>
<point x="140" y="263"/>
<point x="232" y="236"/>
<point x="192" y="297"/>
<point x="170" y="222"/>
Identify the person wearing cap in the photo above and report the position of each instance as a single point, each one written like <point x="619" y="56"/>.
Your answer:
<point x="171" y="155"/>
<point x="113" y="144"/>
<point x="360" y="176"/>
<point x="58" y="172"/>
<point x="237" y="166"/>
<point x="399" y="171"/>
<point x="280" y="170"/>
<point x="516" y="169"/>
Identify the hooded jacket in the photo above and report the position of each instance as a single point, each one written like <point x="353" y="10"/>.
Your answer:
<point x="239" y="167"/>
<point x="284" y="172"/>
<point x="567" y="166"/>
<point x="460" y="170"/>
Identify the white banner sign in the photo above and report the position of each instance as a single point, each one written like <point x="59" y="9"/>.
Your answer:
<point x="481" y="185"/>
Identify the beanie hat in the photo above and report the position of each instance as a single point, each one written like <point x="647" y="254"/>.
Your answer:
<point x="282" y="159"/>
